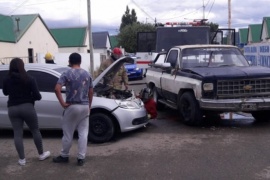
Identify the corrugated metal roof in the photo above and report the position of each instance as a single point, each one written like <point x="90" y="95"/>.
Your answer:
<point x="12" y="28"/>
<point x="255" y="30"/>
<point x="6" y="29"/>
<point x="243" y="34"/>
<point x="70" y="37"/>
<point x="23" y="23"/>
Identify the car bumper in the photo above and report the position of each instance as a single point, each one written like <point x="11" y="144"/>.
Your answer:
<point x="234" y="105"/>
<point x="130" y="119"/>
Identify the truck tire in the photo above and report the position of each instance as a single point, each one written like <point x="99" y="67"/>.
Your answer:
<point x="156" y="97"/>
<point x="101" y="128"/>
<point x="189" y="110"/>
<point x="261" y="116"/>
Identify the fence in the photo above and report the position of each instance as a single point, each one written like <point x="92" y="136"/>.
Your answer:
<point x="6" y="60"/>
<point x="258" y="54"/>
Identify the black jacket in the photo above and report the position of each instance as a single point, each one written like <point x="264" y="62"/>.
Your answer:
<point x="18" y="91"/>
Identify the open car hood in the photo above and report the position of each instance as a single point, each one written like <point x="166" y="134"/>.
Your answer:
<point x="102" y="87"/>
<point x="110" y="72"/>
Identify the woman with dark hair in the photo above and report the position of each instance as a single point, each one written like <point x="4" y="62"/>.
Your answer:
<point x="22" y="92"/>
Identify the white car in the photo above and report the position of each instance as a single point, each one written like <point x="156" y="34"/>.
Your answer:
<point x="112" y="110"/>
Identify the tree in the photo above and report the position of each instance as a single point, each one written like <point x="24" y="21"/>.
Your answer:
<point x="213" y="26"/>
<point x="127" y="37"/>
<point x="128" y="18"/>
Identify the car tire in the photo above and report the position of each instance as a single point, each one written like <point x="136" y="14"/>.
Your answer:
<point x="261" y="116"/>
<point x="101" y="128"/>
<point x="189" y="110"/>
<point x="156" y="97"/>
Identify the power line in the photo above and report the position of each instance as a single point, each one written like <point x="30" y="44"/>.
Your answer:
<point x="14" y="10"/>
<point x="17" y="7"/>
<point x="47" y="2"/>
<point x="182" y="15"/>
<point x="211" y="8"/>
<point x="141" y="9"/>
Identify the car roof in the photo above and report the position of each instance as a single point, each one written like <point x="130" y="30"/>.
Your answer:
<point x="205" y="46"/>
<point x="35" y="65"/>
<point x="114" y="67"/>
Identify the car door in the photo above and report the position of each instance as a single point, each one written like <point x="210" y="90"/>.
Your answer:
<point x="168" y="76"/>
<point x="48" y="109"/>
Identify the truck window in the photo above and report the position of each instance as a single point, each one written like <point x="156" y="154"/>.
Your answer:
<point x="172" y="58"/>
<point x="214" y="57"/>
<point x="168" y="37"/>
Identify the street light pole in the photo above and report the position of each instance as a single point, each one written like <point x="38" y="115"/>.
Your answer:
<point x="90" y="39"/>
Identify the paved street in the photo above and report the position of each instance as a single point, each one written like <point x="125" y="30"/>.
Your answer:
<point x="165" y="149"/>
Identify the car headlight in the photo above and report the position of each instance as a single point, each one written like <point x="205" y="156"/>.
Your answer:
<point x="137" y="69"/>
<point x="128" y="104"/>
<point x="208" y="86"/>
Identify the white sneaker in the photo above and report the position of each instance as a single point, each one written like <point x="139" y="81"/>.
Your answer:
<point x="22" y="162"/>
<point x="44" y="156"/>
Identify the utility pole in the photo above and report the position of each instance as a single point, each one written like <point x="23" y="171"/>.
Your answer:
<point x="229" y="14"/>
<point x="203" y="10"/>
<point x="90" y="39"/>
<point x="229" y="22"/>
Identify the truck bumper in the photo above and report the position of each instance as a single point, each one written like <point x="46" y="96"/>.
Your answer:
<point x="234" y="105"/>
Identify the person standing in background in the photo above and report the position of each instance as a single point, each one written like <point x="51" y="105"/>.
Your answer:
<point x="22" y="92"/>
<point x="121" y="76"/>
<point x="49" y="59"/>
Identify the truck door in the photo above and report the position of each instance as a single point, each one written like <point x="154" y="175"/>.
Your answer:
<point x="168" y="76"/>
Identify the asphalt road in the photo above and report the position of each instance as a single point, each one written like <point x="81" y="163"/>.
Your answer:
<point x="165" y="149"/>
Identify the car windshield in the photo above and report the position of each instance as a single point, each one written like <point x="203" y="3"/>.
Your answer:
<point x="212" y="57"/>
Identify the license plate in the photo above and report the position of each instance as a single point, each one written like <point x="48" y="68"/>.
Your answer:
<point x="249" y="106"/>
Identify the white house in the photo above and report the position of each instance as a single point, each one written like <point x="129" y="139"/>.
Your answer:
<point x="24" y="36"/>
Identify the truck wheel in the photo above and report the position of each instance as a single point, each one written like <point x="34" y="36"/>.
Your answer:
<point x="156" y="97"/>
<point x="189" y="109"/>
<point x="261" y="116"/>
<point x="101" y="128"/>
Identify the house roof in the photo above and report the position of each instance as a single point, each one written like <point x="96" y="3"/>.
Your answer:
<point x="100" y="39"/>
<point x="6" y="29"/>
<point x="114" y="41"/>
<point x="70" y="37"/>
<point x="243" y="35"/>
<point x="12" y="28"/>
<point x="255" y="30"/>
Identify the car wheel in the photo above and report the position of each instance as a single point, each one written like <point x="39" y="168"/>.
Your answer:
<point x="189" y="109"/>
<point x="156" y="97"/>
<point x="101" y="128"/>
<point x="261" y="116"/>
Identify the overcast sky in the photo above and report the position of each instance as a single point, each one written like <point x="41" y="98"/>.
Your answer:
<point x="106" y="14"/>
